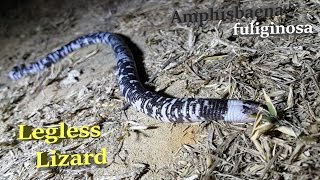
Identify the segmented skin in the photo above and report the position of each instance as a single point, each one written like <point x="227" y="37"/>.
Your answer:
<point x="162" y="108"/>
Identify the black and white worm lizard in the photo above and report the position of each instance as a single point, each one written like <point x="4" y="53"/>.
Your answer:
<point x="162" y="108"/>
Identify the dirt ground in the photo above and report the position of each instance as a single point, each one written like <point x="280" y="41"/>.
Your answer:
<point x="177" y="60"/>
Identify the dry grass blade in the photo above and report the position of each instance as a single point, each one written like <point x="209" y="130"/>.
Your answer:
<point x="286" y="130"/>
<point x="297" y="151"/>
<point x="256" y="123"/>
<point x="260" y="127"/>
<point x="270" y="163"/>
<point x="263" y="128"/>
<point x="260" y="148"/>
<point x="269" y="104"/>
<point x="290" y="101"/>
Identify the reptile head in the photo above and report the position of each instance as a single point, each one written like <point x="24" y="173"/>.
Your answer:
<point x="242" y="111"/>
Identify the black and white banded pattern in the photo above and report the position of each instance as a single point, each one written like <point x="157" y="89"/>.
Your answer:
<point x="159" y="107"/>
